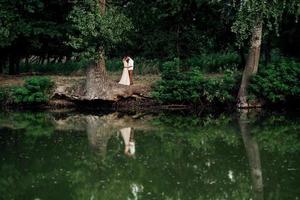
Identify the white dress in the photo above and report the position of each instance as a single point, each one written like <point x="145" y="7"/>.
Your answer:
<point x="125" y="75"/>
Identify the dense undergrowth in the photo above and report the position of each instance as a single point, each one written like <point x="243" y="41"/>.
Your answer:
<point x="34" y="91"/>
<point x="275" y="83"/>
<point x="206" y="63"/>
<point x="194" y="87"/>
<point x="278" y="82"/>
<point x="208" y="79"/>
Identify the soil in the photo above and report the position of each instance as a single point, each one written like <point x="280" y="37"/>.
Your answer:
<point x="145" y="82"/>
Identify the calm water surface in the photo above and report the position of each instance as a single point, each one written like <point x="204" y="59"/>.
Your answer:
<point x="82" y="156"/>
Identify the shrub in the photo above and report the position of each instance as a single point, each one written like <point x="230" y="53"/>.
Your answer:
<point x="56" y="68"/>
<point x="142" y="66"/>
<point x="35" y="84"/>
<point x="215" y="62"/>
<point x="193" y="87"/>
<point x="4" y="94"/>
<point x="34" y="91"/>
<point x="277" y="82"/>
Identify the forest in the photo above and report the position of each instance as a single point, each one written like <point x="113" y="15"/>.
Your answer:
<point x="193" y="52"/>
<point x="141" y="100"/>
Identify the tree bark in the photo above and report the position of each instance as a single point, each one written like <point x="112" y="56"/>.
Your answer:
<point x="96" y="80"/>
<point x="251" y="65"/>
<point x="102" y="6"/>
<point x="97" y="84"/>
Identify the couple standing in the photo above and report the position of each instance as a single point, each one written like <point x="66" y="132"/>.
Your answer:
<point x="127" y="75"/>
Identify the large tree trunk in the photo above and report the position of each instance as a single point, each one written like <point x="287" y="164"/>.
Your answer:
<point x="251" y="65"/>
<point x="97" y="85"/>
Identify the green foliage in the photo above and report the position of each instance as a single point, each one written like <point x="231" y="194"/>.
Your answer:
<point x="56" y="68"/>
<point x="194" y="87"/>
<point x="142" y="66"/>
<point x="277" y="82"/>
<point x="42" y="84"/>
<point x="34" y="91"/>
<point x="34" y="25"/>
<point x="179" y="148"/>
<point x="93" y="31"/>
<point x="4" y="94"/>
<point x="32" y="124"/>
<point x="248" y="13"/>
<point x="278" y="133"/>
<point x="213" y="62"/>
<point x="168" y="29"/>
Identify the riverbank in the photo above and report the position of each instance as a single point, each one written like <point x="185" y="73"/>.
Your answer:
<point x="275" y="86"/>
<point x="139" y="101"/>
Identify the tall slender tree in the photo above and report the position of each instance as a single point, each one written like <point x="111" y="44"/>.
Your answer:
<point x="252" y="19"/>
<point x="251" y="66"/>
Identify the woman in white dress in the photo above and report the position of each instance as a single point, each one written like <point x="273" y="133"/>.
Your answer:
<point x="125" y="80"/>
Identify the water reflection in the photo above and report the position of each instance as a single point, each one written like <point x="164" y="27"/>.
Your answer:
<point x="77" y="156"/>
<point x="100" y="129"/>
<point x="252" y="150"/>
<point x="129" y="143"/>
<point x="98" y="133"/>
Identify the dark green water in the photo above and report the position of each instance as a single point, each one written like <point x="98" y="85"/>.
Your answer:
<point x="78" y="156"/>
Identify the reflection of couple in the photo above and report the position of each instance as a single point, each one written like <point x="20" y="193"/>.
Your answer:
<point x="127" y="135"/>
<point x="127" y="75"/>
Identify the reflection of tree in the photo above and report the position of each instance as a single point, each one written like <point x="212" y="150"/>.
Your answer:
<point x="100" y="128"/>
<point x="29" y="123"/>
<point x="252" y="150"/>
<point x="98" y="133"/>
<point x="199" y="158"/>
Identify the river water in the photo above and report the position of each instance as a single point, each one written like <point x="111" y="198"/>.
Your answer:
<point x="114" y="156"/>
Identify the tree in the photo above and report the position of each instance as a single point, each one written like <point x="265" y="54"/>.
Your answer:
<point x="97" y="28"/>
<point x="251" y="18"/>
<point x="174" y="28"/>
<point x="32" y="27"/>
